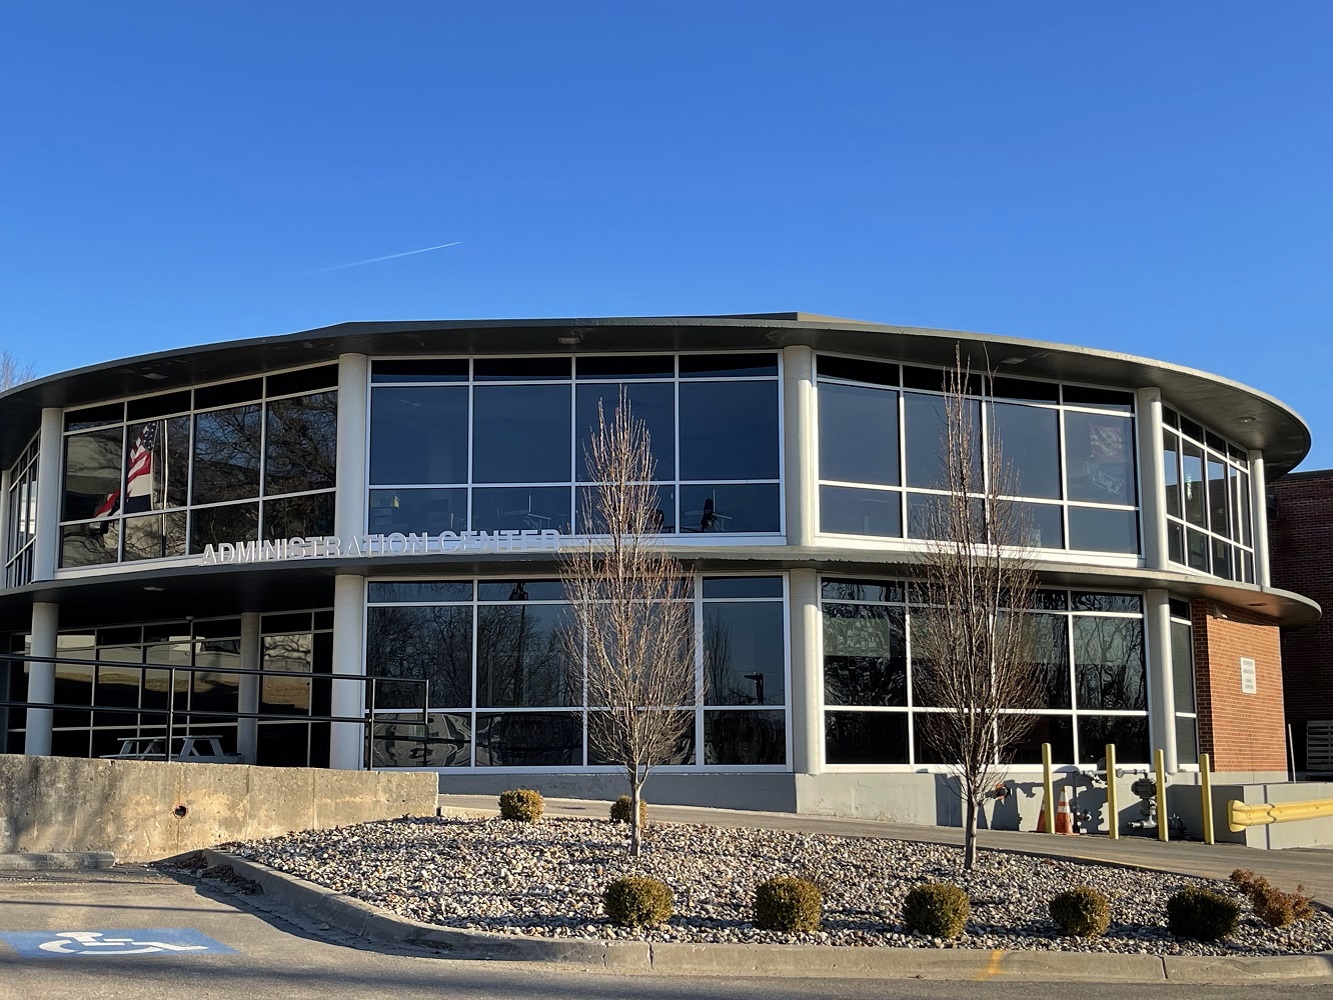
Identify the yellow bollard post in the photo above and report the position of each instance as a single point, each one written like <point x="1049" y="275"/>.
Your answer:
<point x="1159" y="767"/>
<point x="1112" y="797"/>
<point x="1048" y="787"/>
<point x="1206" y="781"/>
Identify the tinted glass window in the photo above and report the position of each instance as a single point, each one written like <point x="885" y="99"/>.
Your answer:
<point x="444" y="740"/>
<point x="926" y="424"/>
<point x="1102" y="399"/>
<point x="521" y="508"/>
<point x="861" y="590"/>
<point x="727" y="365"/>
<point x="226" y="454"/>
<point x="1050" y="658"/>
<point x="865" y="655"/>
<point x="857" y="370"/>
<point x="653" y="403"/>
<point x="231" y="523"/>
<point x="1101" y="530"/>
<point x="431" y="370"/>
<point x="433" y="644"/>
<point x="1029" y="442"/>
<point x="729" y="430"/>
<point x="743" y="586"/>
<point x="744" y="654"/>
<point x="1040" y="525"/>
<point x="1129" y="734"/>
<point x="1171" y="472"/>
<point x="89" y="544"/>
<point x="625" y="366"/>
<point x="407" y="511"/>
<point x="529" y="739"/>
<point x="735" y="508"/>
<point x="155" y="536"/>
<point x="847" y="511"/>
<point x="1057" y="730"/>
<point x="1182" y="665"/>
<point x="744" y="738"/>
<point x="1108" y="663"/>
<point x="521" y="656"/>
<point x="299" y="516"/>
<point x="521" y="434"/>
<point x="858" y="434"/>
<point x="1099" y="456"/>
<point x="413" y="591"/>
<point x="865" y="737"/>
<point x="1219" y="507"/>
<point x="418" y="435"/>
<point x="516" y="369"/>
<point x="301" y="443"/>
<point x="92" y="474"/>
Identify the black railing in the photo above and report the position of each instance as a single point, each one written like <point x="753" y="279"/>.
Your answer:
<point x="178" y="717"/>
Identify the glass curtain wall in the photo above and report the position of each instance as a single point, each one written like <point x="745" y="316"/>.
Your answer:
<point x="300" y="642"/>
<point x="498" y="444"/>
<point x="1090" y="654"/>
<point x="21" y="527"/>
<point x="1182" y="679"/>
<point x="168" y="475"/>
<point x="502" y="693"/>
<point x="1071" y="449"/>
<point x="1209" y="525"/>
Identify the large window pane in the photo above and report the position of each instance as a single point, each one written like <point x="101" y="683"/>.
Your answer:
<point x="301" y="444"/>
<point x="1099" y="529"/>
<point x="433" y="644"/>
<point x="89" y="544"/>
<point x="155" y="536"/>
<point x="1040" y="525"/>
<point x="865" y="655"/>
<point x="844" y="510"/>
<point x="1171" y="472"/>
<point x="728" y="430"/>
<point x="1099" y="454"/>
<point x="745" y="738"/>
<point x="858" y="434"/>
<point x="157" y="465"/>
<point x="1129" y="733"/>
<point x="926" y="422"/>
<point x="865" y="738"/>
<point x="1182" y="665"/>
<point x="1192" y="475"/>
<point x="521" y="656"/>
<point x="1219" y="507"/>
<point x="1057" y="730"/>
<point x="418" y="435"/>
<point x="1050" y="660"/>
<point x="730" y="508"/>
<point x="521" y="434"/>
<point x="744" y="654"/>
<point x="403" y="740"/>
<point x="529" y="739"/>
<point x="226" y="455"/>
<point x="1108" y="663"/>
<point x="232" y="523"/>
<point x="302" y="516"/>
<point x="531" y="508"/>
<point x="653" y="403"/>
<point x="407" y="510"/>
<point x="1029" y="441"/>
<point x="92" y="474"/>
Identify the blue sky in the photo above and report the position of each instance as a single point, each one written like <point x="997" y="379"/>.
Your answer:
<point x="1144" y="177"/>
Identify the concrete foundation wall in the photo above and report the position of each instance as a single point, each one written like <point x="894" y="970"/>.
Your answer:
<point x="130" y="807"/>
<point x="1274" y="836"/>
<point x="762" y="792"/>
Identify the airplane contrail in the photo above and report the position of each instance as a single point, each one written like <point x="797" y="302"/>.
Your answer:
<point x="392" y="256"/>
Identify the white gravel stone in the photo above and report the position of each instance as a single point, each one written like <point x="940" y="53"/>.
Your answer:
<point x="547" y="880"/>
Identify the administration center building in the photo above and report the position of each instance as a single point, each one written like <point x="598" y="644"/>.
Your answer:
<point x="389" y="501"/>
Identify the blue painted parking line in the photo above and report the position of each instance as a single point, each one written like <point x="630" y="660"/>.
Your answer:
<point x="139" y="941"/>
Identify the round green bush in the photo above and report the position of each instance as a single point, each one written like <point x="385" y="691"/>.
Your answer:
<point x="1201" y="914"/>
<point x="1083" y="912"/>
<point x="638" y="902"/>
<point x="792" y="905"/>
<point x="938" y="909"/>
<point x="522" y="804"/>
<point x="620" y="810"/>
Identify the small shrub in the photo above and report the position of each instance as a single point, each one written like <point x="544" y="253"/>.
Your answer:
<point x="787" y="904"/>
<point x="638" y="902"/>
<point x="522" y="804"/>
<point x="620" y="810"/>
<point x="1201" y="914"/>
<point x="939" y="909"/>
<point x="1275" y="907"/>
<point x="1082" y="911"/>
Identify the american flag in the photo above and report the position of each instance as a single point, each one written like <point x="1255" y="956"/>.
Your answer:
<point x="138" y="476"/>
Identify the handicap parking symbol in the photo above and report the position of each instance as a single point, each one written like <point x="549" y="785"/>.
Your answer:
<point x="140" y="941"/>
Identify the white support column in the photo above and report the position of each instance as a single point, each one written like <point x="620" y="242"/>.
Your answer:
<point x="349" y="604"/>
<point x="1259" y="511"/>
<point x="1161" y="683"/>
<point x="41" y="678"/>
<point x="801" y="474"/>
<point x="1152" y="485"/>
<point x="349" y="517"/>
<point x="247" y="733"/>
<point x="5" y="481"/>
<point x="807" y="693"/>
<point x="51" y="454"/>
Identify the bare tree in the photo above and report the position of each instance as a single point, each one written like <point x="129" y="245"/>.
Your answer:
<point x="12" y="373"/>
<point x="973" y="648"/>
<point x="633" y="646"/>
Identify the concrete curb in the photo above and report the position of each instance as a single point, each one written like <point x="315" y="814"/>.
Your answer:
<point x="364" y="920"/>
<point x="50" y="861"/>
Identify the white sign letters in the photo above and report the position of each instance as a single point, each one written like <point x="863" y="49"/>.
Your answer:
<point x="395" y="544"/>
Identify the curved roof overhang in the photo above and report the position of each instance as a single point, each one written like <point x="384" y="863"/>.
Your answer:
<point x="1251" y="418"/>
<point x="171" y="592"/>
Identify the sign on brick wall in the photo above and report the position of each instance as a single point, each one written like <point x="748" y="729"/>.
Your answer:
<point x="1249" y="680"/>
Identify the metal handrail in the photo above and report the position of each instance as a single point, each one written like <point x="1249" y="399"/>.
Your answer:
<point x="366" y="721"/>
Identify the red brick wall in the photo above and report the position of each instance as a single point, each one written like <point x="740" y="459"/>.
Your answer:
<point x="1301" y="549"/>
<point x="1240" y="732"/>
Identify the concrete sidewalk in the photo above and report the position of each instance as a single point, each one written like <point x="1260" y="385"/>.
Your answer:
<point x="1312" y="867"/>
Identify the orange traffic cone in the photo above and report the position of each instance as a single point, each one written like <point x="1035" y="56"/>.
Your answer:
<point x="1045" y="811"/>
<point x="1064" y="816"/>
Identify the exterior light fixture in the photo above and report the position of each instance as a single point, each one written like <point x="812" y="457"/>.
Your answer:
<point x="571" y="339"/>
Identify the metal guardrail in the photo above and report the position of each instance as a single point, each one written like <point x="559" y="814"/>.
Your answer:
<point x="1241" y="815"/>
<point x="177" y="717"/>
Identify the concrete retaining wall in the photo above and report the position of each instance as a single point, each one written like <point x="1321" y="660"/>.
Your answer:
<point x="145" y="810"/>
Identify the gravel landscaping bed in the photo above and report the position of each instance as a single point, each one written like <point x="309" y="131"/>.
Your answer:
<point x="547" y="879"/>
